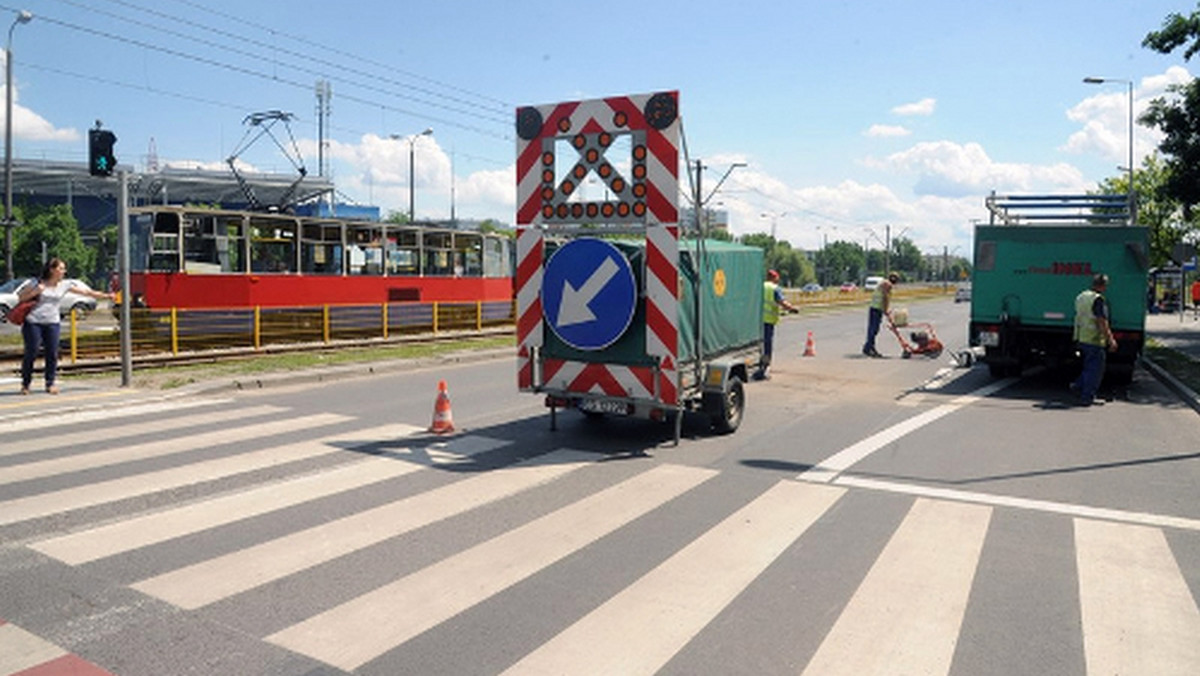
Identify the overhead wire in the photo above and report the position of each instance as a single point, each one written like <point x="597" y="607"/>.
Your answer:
<point x="491" y="115"/>
<point x="265" y="76"/>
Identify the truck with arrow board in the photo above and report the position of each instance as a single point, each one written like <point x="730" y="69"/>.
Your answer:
<point x="621" y="310"/>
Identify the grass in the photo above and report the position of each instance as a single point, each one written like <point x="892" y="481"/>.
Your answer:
<point x="1178" y="364"/>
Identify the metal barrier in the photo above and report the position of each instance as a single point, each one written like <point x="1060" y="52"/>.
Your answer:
<point x="177" y="330"/>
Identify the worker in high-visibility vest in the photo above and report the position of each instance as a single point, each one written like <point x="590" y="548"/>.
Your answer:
<point x="881" y="304"/>
<point x="1094" y="336"/>
<point x="773" y="300"/>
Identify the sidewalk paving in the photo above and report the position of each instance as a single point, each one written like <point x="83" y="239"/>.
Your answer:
<point x="1178" y="332"/>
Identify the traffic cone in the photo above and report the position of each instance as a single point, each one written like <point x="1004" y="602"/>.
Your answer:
<point x="810" y="347"/>
<point x="443" y="421"/>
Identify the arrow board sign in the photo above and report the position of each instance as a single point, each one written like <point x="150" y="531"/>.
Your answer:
<point x="589" y="293"/>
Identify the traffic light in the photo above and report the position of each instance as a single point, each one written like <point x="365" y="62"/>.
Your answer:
<point x="101" y="160"/>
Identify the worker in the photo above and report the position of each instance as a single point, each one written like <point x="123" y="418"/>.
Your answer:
<point x="1093" y="335"/>
<point x="1196" y="296"/>
<point x="881" y="304"/>
<point x="773" y="300"/>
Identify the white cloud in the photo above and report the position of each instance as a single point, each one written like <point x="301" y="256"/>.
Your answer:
<point x="1104" y="117"/>
<point x="922" y="107"/>
<point x="31" y="126"/>
<point x="886" y="130"/>
<point x="948" y="169"/>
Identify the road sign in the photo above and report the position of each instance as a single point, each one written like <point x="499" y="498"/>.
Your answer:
<point x="589" y="293"/>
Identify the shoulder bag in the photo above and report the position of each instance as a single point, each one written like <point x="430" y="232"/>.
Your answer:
<point x="17" y="315"/>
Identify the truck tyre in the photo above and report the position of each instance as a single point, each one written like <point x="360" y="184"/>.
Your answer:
<point x="733" y="404"/>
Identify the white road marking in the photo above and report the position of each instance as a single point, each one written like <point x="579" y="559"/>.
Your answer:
<point x="209" y="581"/>
<point x="112" y="433"/>
<point x="65" y="500"/>
<point x="124" y="536"/>
<point x="829" y="469"/>
<point x="640" y="629"/>
<point x="906" y="615"/>
<point x="1138" y="614"/>
<point x="1047" y="506"/>
<point x="20" y="650"/>
<point x="157" y="449"/>
<point x="360" y="630"/>
<point x="20" y="422"/>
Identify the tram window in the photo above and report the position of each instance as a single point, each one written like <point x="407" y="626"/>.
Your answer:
<point x="273" y="247"/>
<point x="321" y="249"/>
<point x="366" y="251"/>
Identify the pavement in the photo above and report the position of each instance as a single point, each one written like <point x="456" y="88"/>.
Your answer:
<point x="1180" y="332"/>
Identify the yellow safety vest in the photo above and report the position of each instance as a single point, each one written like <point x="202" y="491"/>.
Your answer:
<point x="877" y="297"/>
<point x="770" y="307"/>
<point x="1086" y="330"/>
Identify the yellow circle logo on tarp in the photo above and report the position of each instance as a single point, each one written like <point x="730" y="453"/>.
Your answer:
<point x="719" y="283"/>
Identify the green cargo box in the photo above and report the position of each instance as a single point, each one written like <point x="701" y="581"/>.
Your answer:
<point x="727" y="282"/>
<point x="1025" y="281"/>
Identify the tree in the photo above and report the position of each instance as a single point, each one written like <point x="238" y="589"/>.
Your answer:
<point x="1178" y="119"/>
<point x="54" y="227"/>
<point x="792" y="265"/>
<point x="1157" y="209"/>
<point x="841" y="262"/>
<point x="906" y="257"/>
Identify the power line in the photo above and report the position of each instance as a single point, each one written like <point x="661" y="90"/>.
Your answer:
<point x="491" y="114"/>
<point x="340" y="52"/>
<point x="258" y="74"/>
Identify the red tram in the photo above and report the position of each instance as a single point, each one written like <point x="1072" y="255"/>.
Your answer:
<point x="187" y="257"/>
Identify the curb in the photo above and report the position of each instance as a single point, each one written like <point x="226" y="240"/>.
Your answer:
<point x="344" y="372"/>
<point x="1186" y="393"/>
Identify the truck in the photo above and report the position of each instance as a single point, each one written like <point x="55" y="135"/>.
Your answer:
<point x="1035" y="255"/>
<point x="621" y="309"/>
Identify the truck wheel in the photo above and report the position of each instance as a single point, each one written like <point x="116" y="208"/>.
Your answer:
<point x="733" y="404"/>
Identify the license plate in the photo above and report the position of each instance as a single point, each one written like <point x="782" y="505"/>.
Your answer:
<point x="609" y="406"/>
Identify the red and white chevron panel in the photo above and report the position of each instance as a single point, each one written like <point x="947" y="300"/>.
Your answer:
<point x="643" y="190"/>
<point x="530" y="259"/>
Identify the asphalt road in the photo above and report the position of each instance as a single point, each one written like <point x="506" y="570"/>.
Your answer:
<point x="870" y="516"/>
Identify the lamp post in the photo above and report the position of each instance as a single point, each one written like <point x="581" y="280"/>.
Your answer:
<point x="773" y="216"/>
<point x="412" y="140"/>
<point x="1129" y="189"/>
<point x="24" y="16"/>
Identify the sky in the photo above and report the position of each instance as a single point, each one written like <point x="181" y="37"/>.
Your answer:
<point x="854" y="119"/>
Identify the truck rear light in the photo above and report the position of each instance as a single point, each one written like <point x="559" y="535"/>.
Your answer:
<point x="989" y="336"/>
<point x="557" y="402"/>
<point x="1127" y="335"/>
<point x="658" y="415"/>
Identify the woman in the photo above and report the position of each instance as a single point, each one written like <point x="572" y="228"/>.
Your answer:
<point x="42" y="324"/>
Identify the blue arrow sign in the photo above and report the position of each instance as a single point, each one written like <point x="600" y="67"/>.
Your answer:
<point x="589" y="293"/>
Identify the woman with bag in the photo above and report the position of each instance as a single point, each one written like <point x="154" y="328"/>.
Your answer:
<point x="43" y="323"/>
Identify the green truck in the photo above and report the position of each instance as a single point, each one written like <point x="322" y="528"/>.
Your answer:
<point x="1031" y="261"/>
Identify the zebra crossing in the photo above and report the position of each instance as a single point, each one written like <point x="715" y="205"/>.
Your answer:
<point x="484" y="527"/>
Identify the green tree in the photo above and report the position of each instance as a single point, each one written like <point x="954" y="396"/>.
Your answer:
<point x="54" y="227"/>
<point x="793" y="266"/>
<point x="1178" y="118"/>
<point x="1157" y="208"/>
<point x="841" y="262"/>
<point x="907" y="258"/>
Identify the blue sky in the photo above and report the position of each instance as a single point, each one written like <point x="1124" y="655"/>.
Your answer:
<point x="851" y="116"/>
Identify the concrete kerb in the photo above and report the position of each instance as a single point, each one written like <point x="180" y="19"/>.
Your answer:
<point x="1187" y="394"/>
<point x="342" y="372"/>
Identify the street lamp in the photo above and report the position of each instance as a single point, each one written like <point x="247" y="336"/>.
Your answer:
<point x="773" y="216"/>
<point x="411" y="186"/>
<point x="24" y="16"/>
<point x="1102" y="80"/>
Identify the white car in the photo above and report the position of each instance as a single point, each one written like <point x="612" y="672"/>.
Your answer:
<point x="962" y="294"/>
<point x="72" y="301"/>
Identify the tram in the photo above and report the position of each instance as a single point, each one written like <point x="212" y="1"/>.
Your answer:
<point x="188" y="257"/>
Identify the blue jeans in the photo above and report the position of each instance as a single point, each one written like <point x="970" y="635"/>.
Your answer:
<point x="1094" y="359"/>
<point x="768" y="349"/>
<point x="37" y="335"/>
<point x="874" y="321"/>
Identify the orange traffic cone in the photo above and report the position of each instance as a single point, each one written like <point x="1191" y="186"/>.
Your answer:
<point x="810" y="346"/>
<point x="443" y="421"/>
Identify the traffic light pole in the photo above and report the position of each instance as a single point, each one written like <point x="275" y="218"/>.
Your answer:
<point x="123" y="271"/>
